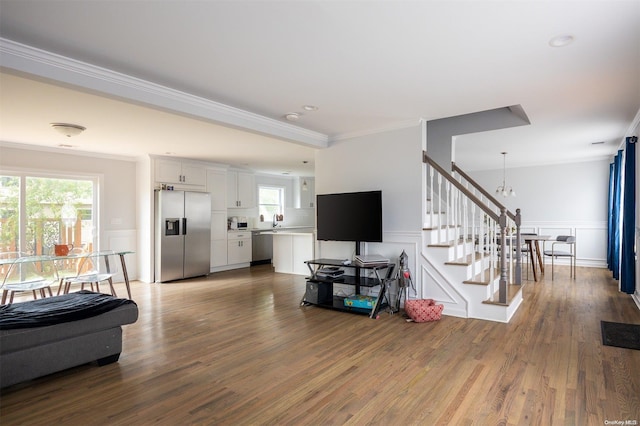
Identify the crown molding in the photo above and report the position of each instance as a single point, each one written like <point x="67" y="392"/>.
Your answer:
<point x="634" y="126"/>
<point x="38" y="62"/>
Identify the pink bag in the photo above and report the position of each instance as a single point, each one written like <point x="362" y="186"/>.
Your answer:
<point x="423" y="310"/>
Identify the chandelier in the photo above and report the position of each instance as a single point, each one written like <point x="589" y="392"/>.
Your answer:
<point x="504" y="189"/>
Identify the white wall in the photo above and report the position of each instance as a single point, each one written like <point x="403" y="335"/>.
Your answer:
<point x="390" y="162"/>
<point x="117" y="195"/>
<point x="636" y="132"/>
<point x="145" y="219"/>
<point x="561" y="199"/>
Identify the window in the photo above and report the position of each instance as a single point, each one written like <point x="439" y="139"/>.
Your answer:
<point x="270" y="201"/>
<point x="37" y="212"/>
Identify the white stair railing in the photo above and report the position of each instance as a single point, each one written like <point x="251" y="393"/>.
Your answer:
<point x="475" y="215"/>
<point x="513" y="237"/>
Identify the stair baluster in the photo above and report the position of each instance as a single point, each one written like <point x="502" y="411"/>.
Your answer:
<point x="464" y="199"/>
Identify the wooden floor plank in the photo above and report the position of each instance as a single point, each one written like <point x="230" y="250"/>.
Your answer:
<point x="235" y="348"/>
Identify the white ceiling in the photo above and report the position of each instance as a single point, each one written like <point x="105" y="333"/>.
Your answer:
<point x="367" y="65"/>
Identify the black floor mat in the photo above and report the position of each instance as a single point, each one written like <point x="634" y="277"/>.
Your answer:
<point x="620" y="335"/>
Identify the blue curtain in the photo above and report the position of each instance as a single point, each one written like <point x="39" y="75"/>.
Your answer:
<point x="610" y="216"/>
<point x="627" y="259"/>
<point x="614" y="217"/>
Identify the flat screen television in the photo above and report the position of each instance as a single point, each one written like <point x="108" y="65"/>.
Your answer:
<point x="350" y="216"/>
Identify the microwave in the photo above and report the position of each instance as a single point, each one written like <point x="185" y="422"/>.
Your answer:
<point x="242" y="222"/>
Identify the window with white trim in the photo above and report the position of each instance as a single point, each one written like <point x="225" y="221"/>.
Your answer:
<point x="40" y="211"/>
<point x="270" y="201"/>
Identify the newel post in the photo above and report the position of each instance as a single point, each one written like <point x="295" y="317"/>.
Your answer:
<point x="502" y="291"/>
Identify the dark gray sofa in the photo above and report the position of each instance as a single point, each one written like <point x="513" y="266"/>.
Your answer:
<point x="30" y="351"/>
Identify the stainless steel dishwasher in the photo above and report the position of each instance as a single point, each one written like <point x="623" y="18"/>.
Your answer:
<point x="261" y="247"/>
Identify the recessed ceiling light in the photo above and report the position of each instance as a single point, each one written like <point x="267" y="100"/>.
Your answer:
<point x="561" y="40"/>
<point x="309" y="107"/>
<point x="597" y="143"/>
<point x="292" y="116"/>
<point x="65" y="145"/>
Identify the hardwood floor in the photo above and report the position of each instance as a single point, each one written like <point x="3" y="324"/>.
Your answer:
<point x="236" y="349"/>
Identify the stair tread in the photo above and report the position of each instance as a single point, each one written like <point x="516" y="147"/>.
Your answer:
<point x="467" y="260"/>
<point x="448" y="243"/>
<point x="483" y="278"/>
<point x="512" y="292"/>
<point x="440" y="227"/>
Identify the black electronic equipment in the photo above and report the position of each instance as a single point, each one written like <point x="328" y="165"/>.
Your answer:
<point x="351" y="216"/>
<point x="318" y="293"/>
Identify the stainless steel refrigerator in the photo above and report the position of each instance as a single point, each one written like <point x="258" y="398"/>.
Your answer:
<point x="183" y="234"/>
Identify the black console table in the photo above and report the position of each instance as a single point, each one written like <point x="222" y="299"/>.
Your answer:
<point x="319" y="290"/>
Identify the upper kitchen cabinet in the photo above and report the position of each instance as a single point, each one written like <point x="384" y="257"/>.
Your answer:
<point x="241" y="190"/>
<point x="217" y="187"/>
<point x="305" y="193"/>
<point x="180" y="172"/>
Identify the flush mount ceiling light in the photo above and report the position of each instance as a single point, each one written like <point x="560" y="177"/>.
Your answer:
<point x="309" y="107"/>
<point x="68" y="129"/>
<point x="561" y="40"/>
<point x="292" y="116"/>
<point x="504" y="189"/>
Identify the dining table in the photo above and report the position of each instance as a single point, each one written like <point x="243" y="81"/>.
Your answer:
<point x="121" y="255"/>
<point x="535" y="254"/>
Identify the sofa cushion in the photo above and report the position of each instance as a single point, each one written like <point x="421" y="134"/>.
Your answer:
<point x="19" y="339"/>
<point x="57" y="309"/>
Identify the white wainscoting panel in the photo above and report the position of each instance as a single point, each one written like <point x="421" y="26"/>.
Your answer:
<point x="124" y="240"/>
<point x="591" y="240"/>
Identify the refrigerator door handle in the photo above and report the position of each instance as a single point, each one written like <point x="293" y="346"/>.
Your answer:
<point x="184" y="226"/>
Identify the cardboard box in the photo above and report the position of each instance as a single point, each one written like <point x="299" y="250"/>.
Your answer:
<point x="360" y="301"/>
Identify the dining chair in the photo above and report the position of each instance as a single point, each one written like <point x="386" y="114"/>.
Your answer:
<point x="6" y="259"/>
<point x="68" y="267"/>
<point x="94" y="268"/>
<point x="29" y="273"/>
<point x="567" y="244"/>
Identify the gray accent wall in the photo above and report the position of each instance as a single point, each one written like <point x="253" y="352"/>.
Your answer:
<point x="440" y="132"/>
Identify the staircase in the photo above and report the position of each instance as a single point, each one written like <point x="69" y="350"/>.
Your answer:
<point x="471" y="253"/>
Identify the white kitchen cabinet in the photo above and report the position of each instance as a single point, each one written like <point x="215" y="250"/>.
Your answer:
<point x="218" y="238"/>
<point x="217" y="187"/>
<point x="282" y="257"/>
<point x="290" y="250"/>
<point x="180" y="172"/>
<point x="241" y="190"/>
<point x="238" y="247"/>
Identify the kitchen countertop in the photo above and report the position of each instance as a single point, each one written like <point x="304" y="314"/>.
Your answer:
<point x="284" y="229"/>
<point x="286" y="232"/>
<point x="279" y="229"/>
